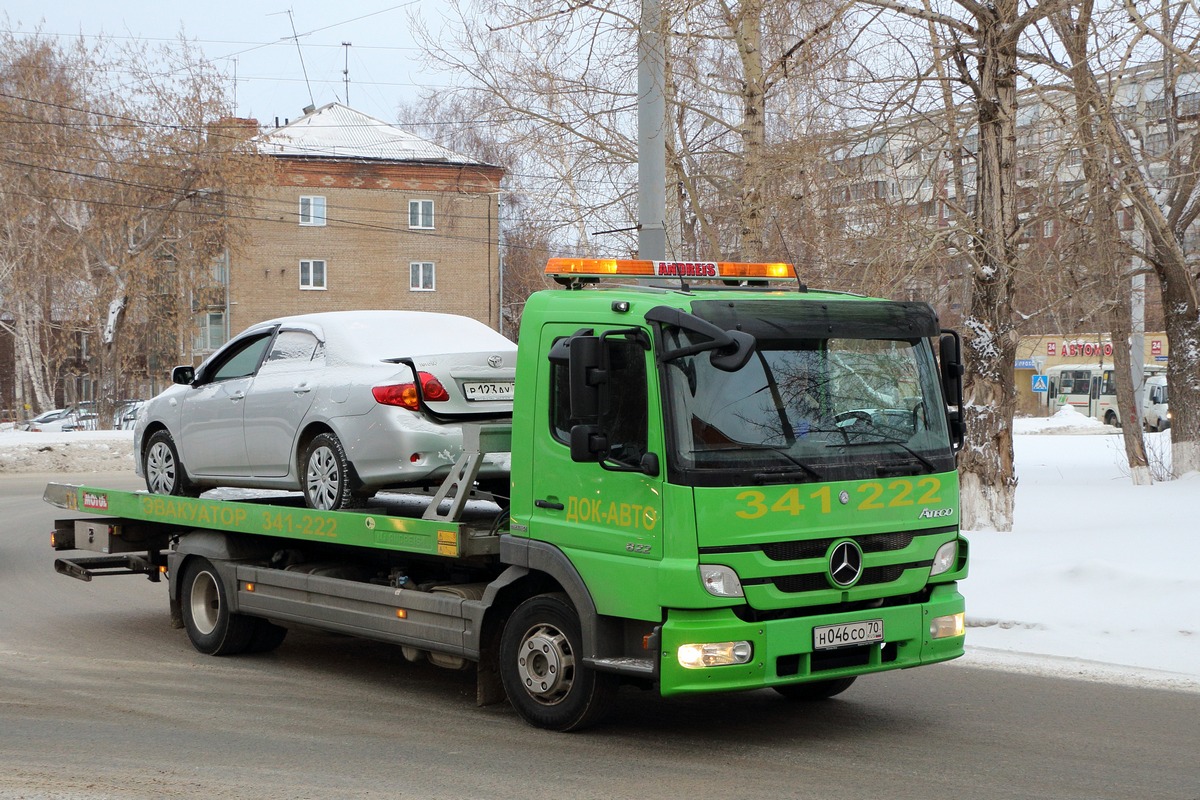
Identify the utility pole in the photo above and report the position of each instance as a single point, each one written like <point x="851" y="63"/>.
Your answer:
<point x="346" y="72"/>
<point x="652" y="147"/>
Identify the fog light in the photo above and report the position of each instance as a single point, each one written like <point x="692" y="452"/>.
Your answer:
<point x="944" y="559"/>
<point x="720" y="581"/>
<point x="715" y="654"/>
<point x="945" y="627"/>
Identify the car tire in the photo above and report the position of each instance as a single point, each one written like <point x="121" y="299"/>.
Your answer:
<point x="163" y="470"/>
<point x="327" y="475"/>
<point x="542" y="667"/>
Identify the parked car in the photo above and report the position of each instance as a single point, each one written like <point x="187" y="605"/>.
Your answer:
<point x="41" y="421"/>
<point x="1156" y="411"/>
<point x="338" y="405"/>
<point x="125" y="417"/>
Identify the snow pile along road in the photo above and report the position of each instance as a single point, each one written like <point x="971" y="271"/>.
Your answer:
<point x="73" y="451"/>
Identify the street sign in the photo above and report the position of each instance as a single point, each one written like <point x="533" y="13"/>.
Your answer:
<point x="1041" y="383"/>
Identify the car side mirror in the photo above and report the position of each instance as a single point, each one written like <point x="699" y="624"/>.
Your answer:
<point x="183" y="375"/>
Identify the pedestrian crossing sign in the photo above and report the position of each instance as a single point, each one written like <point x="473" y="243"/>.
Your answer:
<point x="1041" y="383"/>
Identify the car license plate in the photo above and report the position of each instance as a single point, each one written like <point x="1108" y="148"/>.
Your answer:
<point x="489" y="390"/>
<point x="828" y="637"/>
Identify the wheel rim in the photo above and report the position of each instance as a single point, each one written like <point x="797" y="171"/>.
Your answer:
<point x="206" y="603"/>
<point x="160" y="468"/>
<point x="546" y="664"/>
<point x="324" y="478"/>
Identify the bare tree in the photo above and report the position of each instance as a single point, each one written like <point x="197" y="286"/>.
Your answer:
<point x="143" y="187"/>
<point x="983" y="46"/>
<point x="562" y="82"/>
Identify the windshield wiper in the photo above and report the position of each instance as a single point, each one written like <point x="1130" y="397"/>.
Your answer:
<point x="928" y="464"/>
<point x="805" y="468"/>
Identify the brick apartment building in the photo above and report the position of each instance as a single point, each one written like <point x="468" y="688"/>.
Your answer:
<point x="360" y="215"/>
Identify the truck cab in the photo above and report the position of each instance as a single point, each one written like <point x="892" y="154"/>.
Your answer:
<point x="756" y="485"/>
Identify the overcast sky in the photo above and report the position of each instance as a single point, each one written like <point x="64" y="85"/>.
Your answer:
<point x="253" y="38"/>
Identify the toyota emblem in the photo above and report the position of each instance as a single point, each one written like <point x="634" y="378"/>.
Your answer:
<point x="845" y="564"/>
<point x="495" y="361"/>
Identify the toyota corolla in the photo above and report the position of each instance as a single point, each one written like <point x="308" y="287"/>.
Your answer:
<point x="338" y="405"/>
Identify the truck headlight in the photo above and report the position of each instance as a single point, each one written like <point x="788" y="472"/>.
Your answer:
<point x="720" y="581"/>
<point x="714" y="654"/>
<point x="947" y="626"/>
<point x="944" y="558"/>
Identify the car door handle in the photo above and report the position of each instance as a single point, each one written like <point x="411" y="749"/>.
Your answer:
<point x="236" y="396"/>
<point x="302" y="388"/>
<point x="549" y="504"/>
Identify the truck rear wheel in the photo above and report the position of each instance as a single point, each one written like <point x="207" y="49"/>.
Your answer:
<point x="814" y="690"/>
<point x="541" y="666"/>
<point x="212" y="628"/>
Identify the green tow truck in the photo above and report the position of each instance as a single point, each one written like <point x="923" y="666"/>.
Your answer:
<point x="720" y="481"/>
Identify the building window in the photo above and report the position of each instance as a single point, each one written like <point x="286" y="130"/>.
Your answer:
<point x="1047" y="229"/>
<point x="212" y="331"/>
<point x="420" y="214"/>
<point x="312" y="274"/>
<point x="312" y="210"/>
<point x="420" y="276"/>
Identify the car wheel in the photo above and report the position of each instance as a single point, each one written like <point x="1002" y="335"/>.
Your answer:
<point x="814" y="690"/>
<point x="541" y="666"/>
<point x="163" y="470"/>
<point x="211" y="626"/>
<point x="327" y="475"/>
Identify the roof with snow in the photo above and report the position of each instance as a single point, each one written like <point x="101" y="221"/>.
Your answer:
<point x="337" y="131"/>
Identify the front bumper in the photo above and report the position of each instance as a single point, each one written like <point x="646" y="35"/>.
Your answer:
<point x="783" y="649"/>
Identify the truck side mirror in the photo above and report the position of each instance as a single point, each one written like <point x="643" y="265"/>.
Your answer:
<point x="587" y="376"/>
<point x="950" y="356"/>
<point x="588" y="443"/>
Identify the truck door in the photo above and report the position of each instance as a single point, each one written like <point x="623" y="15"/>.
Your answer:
<point x="602" y="515"/>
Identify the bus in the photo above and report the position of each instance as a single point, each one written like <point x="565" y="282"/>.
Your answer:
<point x="1090" y="388"/>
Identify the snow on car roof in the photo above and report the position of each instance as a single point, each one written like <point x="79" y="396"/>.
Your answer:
<point x="376" y="335"/>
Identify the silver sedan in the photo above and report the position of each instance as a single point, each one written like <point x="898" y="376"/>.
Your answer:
<point x="338" y="405"/>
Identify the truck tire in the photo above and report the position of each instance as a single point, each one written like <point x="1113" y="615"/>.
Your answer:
<point x="212" y="628"/>
<point x="541" y="666"/>
<point x="814" y="690"/>
<point x="163" y="470"/>
<point x="267" y="636"/>
<point x="326" y="476"/>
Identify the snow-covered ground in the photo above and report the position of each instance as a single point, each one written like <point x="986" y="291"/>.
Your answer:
<point x="1098" y="579"/>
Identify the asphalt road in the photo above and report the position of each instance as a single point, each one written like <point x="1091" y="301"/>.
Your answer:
<point x="101" y="698"/>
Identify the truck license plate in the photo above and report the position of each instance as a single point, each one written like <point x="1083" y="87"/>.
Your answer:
<point x="828" y="637"/>
<point x="490" y="390"/>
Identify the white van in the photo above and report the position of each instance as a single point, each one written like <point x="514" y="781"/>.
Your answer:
<point x="1156" y="416"/>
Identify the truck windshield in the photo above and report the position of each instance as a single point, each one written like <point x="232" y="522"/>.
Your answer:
<point x="815" y="402"/>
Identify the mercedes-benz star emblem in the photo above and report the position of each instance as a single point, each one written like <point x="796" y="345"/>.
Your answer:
<point x="845" y="564"/>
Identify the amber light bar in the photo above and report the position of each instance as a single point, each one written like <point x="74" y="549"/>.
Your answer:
<point x="682" y="270"/>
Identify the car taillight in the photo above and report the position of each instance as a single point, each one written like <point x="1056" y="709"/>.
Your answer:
<point x="405" y="394"/>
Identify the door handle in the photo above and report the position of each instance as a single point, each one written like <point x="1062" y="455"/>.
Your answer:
<point x="236" y="396"/>
<point x="549" y="504"/>
<point x="301" y="388"/>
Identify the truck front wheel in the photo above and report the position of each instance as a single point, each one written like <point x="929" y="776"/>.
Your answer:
<point x="541" y="665"/>
<point x="212" y="628"/>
